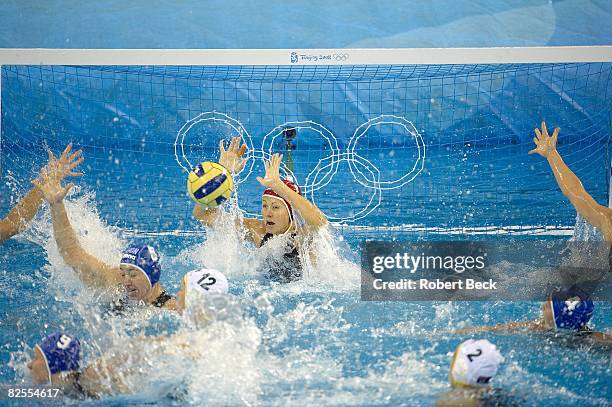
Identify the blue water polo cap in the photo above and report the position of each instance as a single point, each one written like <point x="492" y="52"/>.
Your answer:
<point x="571" y="309"/>
<point x="62" y="352"/>
<point x="146" y="259"/>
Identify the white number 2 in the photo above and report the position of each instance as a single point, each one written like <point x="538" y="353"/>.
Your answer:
<point x="64" y="342"/>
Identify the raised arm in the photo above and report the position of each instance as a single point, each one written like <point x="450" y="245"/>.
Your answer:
<point x="598" y="215"/>
<point x="233" y="160"/>
<point x="307" y="210"/>
<point x="19" y="217"/>
<point x="91" y="270"/>
<point x="207" y="216"/>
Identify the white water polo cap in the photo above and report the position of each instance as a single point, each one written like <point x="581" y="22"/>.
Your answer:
<point x="206" y="281"/>
<point x="474" y="363"/>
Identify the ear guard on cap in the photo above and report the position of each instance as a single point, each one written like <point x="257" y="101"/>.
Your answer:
<point x="146" y="259"/>
<point x="293" y="186"/>
<point x="62" y="352"/>
<point x="571" y="308"/>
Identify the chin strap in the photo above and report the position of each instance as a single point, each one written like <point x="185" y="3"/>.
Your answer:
<point x="288" y="227"/>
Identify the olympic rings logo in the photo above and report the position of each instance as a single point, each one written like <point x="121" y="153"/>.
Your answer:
<point x="233" y="124"/>
<point x="363" y="170"/>
<point x="341" y="57"/>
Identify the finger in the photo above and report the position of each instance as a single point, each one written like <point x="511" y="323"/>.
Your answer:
<point x="556" y="133"/>
<point x="238" y="145"/>
<point x="75" y="155"/>
<point x="67" y="189"/>
<point x="267" y="165"/>
<point x="261" y="181"/>
<point x="75" y="174"/>
<point x="236" y="142"/>
<point x="273" y="161"/>
<point x="66" y="151"/>
<point x="538" y="134"/>
<point x="536" y="141"/>
<point x="544" y="131"/>
<point x="242" y="150"/>
<point x="277" y="162"/>
<point x="233" y="144"/>
<point x="221" y="146"/>
<point x="75" y="163"/>
<point x="535" y="150"/>
<point x="50" y="154"/>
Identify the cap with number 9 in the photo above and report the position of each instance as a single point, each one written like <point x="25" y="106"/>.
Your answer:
<point x="61" y="351"/>
<point x="474" y="363"/>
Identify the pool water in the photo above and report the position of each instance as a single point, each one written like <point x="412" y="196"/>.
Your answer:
<point x="307" y="342"/>
<point x="310" y="342"/>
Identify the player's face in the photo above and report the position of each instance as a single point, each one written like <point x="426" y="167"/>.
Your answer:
<point x="275" y="215"/>
<point x="38" y="368"/>
<point x="135" y="282"/>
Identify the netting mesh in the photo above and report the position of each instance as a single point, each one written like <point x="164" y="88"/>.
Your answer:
<point x="394" y="148"/>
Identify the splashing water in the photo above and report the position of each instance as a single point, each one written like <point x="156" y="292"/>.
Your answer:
<point x="311" y="341"/>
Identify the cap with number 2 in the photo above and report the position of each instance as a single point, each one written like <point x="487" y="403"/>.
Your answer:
<point x="474" y="363"/>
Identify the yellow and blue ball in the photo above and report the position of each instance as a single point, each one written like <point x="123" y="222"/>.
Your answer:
<point x="210" y="184"/>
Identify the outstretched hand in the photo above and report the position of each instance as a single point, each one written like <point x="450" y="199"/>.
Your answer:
<point x="545" y="144"/>
<point x="51" y="176"/>
<point x="272" y="177"/>
<point x="232" y="157"/>
<point x="52" y="190"/>
<point x="62" y="167"/>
